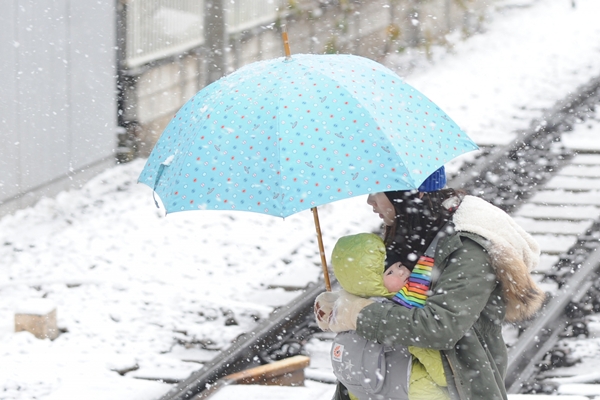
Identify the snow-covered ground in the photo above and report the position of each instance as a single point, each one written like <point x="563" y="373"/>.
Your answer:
<point x="135" y="289"/>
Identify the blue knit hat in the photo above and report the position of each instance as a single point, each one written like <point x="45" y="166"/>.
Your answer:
<point x="435" y="181"/>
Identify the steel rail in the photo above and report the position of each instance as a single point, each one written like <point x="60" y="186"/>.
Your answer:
<point x="541" y="133"/>
<point x="241" y="354"/>
<point x="542" y="335"/>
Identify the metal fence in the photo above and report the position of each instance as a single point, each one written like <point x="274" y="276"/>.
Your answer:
<point x="156" y="29"/>
<point x="246" y="14"/>
<point x="160" y="28"/>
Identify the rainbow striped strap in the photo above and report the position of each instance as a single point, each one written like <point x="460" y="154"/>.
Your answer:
<point x="414" y="293"/>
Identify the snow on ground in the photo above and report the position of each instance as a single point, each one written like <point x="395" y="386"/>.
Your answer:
<point x="137" y="290"/>
<point x="496" y="83"/>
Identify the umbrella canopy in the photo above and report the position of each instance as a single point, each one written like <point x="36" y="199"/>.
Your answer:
<point x="284" y="135"/>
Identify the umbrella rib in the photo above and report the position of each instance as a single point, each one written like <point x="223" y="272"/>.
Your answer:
<point x="278" y="146"/>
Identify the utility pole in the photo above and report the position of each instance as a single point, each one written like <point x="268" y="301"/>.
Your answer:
<point x="215" y="36"/>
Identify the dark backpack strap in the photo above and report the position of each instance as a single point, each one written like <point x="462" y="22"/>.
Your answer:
<point x="430" y="252"/>
<point x="341" y="393"/>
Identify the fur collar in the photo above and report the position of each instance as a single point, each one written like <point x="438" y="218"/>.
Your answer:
<point x="513" y="251"/>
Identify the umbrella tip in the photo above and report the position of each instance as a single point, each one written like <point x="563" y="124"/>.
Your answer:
<point x="154" y="198"/>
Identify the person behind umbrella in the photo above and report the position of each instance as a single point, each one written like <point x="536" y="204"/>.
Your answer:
<point x="481" y="279"/>
<point x="369" y="369"/>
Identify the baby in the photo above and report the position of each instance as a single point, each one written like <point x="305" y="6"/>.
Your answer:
<point x="369" y="369"/>
<point x="410" y="287"/>
<point x="395" y="277"/>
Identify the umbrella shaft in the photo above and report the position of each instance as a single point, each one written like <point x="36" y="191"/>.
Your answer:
<point x="321" y="249"/>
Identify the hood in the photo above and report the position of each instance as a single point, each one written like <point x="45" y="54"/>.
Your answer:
<point x="358" y="265"/>
<point x="513" y="251"/>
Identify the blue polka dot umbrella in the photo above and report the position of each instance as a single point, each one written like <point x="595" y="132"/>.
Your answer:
<point x="284" y="135"/>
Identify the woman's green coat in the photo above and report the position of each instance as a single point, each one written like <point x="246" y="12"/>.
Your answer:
<point x="466" y="316"/>
<point x="483" y="281"/>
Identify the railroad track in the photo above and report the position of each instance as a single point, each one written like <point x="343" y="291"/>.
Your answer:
<point x="551" y="185"/>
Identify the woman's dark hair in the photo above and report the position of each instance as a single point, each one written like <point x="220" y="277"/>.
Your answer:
<point x="418" y="220"/>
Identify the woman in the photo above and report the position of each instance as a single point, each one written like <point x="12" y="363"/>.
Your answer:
<point x="482" y="260"/>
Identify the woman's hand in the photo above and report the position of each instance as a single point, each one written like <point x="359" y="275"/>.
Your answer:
<point x="345" y="311"/>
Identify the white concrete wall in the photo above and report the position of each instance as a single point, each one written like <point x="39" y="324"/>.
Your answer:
<point x="57" y="96"/>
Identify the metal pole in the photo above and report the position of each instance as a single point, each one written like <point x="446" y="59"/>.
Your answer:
<point x="215" y="35"/>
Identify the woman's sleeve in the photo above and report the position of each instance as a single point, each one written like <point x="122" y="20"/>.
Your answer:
<point x="463" y="290"/>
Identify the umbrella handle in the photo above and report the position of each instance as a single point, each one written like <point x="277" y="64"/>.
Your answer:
<point x="321" y="249"/>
